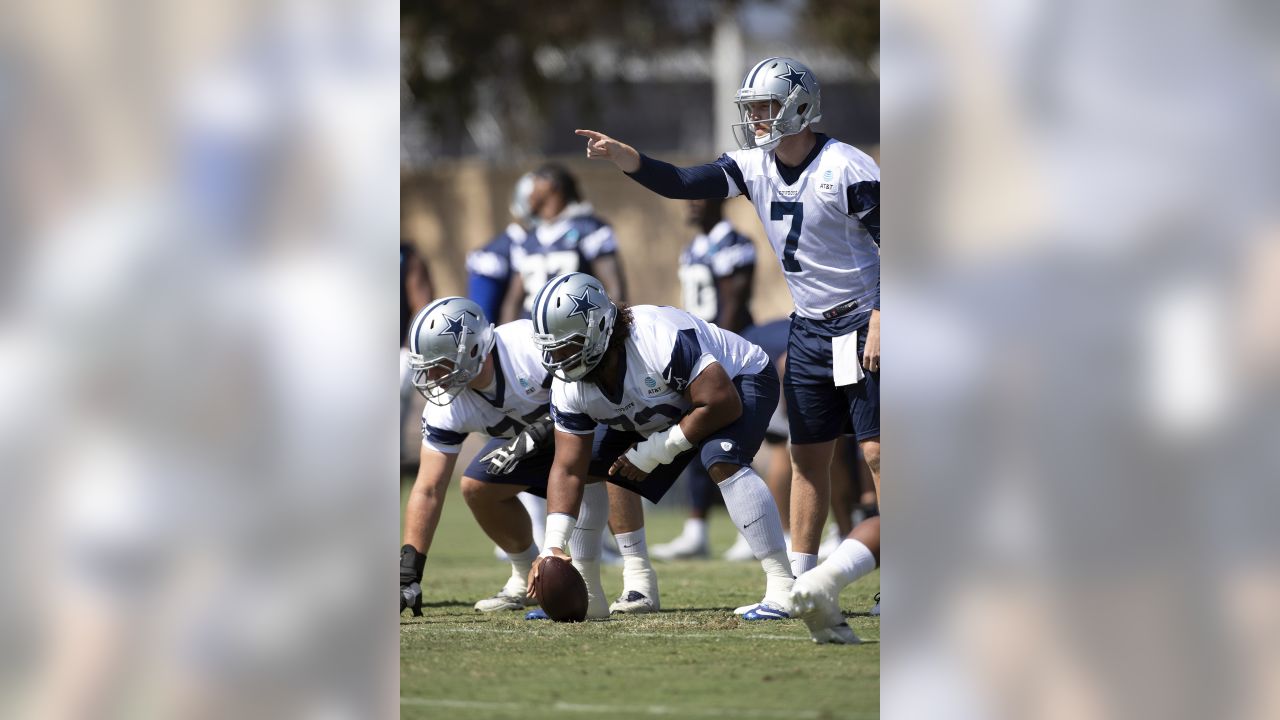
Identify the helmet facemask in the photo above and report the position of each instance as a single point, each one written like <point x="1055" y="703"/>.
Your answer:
<point x="572" y="367"/>
<point x="440" y="379"/>
<point x="787" y="121"/>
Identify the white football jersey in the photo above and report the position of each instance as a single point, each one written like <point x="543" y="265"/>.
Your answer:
<point x="829" y="257"/>
<point x="520" y="396"/>
<point x="667" y="349"/>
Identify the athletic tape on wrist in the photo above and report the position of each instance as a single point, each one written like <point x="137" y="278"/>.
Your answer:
<point x="559" y="528"/>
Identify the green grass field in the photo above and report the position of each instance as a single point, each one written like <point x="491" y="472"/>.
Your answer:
<point x="695" y="659"/>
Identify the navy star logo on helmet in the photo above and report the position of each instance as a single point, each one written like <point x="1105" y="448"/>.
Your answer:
<point x="582" y="303"/>
<point x="793" y="77"/>
<point x="453" y="326"/>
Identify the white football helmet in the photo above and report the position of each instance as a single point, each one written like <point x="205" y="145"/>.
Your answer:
<point x="520" y="209"/>
<point x="792" y="85"/>
<point x="572" y="323"/>
<point x="448" y="342"/>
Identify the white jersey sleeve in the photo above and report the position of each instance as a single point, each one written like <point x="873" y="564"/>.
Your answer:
<point x="442" y="428"/>
<point x="568" y="410"/>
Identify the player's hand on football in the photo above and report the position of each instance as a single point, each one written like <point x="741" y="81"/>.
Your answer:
<point x="623" y="466"/>
<point x="411" y="597"/>
<point x="603" y="147"/>
<point x="871" y="351"/>
<point x="537" y="565"/>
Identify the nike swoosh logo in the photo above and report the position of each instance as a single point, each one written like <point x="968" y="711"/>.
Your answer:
<point x="630" y="546"/>
<point x="753" y="522"/>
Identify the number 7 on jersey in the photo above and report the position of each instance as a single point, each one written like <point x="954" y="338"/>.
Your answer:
<point x="779" y="210"/>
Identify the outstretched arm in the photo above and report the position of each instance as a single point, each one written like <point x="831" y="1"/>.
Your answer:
<point x="708" y="181"/>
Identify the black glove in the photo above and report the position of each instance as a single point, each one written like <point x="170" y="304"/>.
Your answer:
<point x="534" y="437"/>
<point x="411" y="597"/>
<point x="411" y="565"/>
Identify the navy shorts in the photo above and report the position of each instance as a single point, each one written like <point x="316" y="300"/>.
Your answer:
<point x="735" y="443"/>
<point x="817" y="410"/>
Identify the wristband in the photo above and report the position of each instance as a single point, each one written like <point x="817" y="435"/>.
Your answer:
<point x="659" y="448"/>
<point x="676" y="441"/>
<point x="559" y="528"/>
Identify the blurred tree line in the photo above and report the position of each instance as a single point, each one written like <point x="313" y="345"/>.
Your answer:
<point x="459" y="56"/>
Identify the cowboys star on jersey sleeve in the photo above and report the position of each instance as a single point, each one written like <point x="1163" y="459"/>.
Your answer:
<point x="520" y="396"/>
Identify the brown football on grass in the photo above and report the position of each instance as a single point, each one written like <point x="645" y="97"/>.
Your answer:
<point x="561" y="591"/>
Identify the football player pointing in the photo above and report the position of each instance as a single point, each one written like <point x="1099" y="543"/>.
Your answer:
<point x="668" y="386"/>
<point x="818" y="200"/>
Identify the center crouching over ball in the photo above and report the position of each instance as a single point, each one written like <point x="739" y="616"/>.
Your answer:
<point x="560" y="590"/>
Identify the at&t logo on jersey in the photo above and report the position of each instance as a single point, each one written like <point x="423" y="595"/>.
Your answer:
<point x="528" y="387"/>
<point x="827" y="184"/>
<point x="653" y="387"/>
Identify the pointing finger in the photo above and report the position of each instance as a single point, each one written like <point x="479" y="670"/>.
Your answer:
<point x="590" y="134"/>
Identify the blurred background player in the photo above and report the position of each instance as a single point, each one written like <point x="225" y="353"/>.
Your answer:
<point x="489" y="275"/>
<point x="717" y="271"/>
<point x="415" y="292"/>
<point x="489" y="269"/>
<point x="669" y="387"/>
<point x="819" y="201"/>
<point x="567" y="236"/>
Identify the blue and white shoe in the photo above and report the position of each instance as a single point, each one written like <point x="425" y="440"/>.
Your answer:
<point x="632" y="602"/>
<point x="875" y="609"/>
<point x="766" y="610"/>
<point x="536" y="614"/>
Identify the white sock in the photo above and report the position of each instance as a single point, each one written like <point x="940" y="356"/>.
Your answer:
<point x="752" y="509"/>
<point x="637" y="572"/>
<point x="695" y="529"/>
<point x="849" y="562"/>
<point x="802" y="563"/>
<point x="521" y="564"/>
<point x="587" y="538"/>
<point x="597" y="605"/>
<point x="778" y="578"/>
<point x="537" y="509"/>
